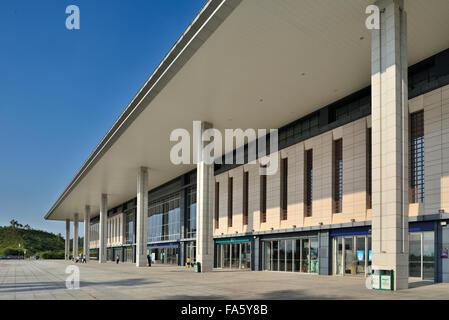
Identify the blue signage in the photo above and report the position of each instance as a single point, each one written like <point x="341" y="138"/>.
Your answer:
<point x="370" y="256"/>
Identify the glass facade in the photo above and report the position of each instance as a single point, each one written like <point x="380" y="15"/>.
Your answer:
<point x="190" y="251"/>
<point x="422" y="255"/>
<point x="164" y="219"/>
<point x="351" y="254"/>
<point x="164" y="255"/>
<point x="128" y="254"/>
<point x="291" y="255"/>
<point x="234" y="255"/>
<point x="130" y="217"/>
<point x="190" y="218"/>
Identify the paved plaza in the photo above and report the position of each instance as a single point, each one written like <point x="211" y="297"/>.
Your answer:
<point x="46" y="280"/>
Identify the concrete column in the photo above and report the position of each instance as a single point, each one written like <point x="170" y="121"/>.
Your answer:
<point x="103" y="228"/>
<point x="390" y="142"/>
<point x="75" y="236"/>
<point x="86" y="232"/>
<point x="142" y="218"/>
<point x="67" y="239"/>
<point x="204" y="205"/>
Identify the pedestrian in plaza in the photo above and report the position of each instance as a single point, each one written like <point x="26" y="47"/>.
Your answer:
<point x="117" y="259"/>
<point x="149" y="259"/>
<point x="84" y="258"/>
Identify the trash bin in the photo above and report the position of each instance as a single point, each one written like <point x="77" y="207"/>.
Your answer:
<point x="197" y="267"/>
<point x="382" y="280"/>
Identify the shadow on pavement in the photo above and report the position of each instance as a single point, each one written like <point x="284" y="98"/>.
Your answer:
<point x="60" y="285"/>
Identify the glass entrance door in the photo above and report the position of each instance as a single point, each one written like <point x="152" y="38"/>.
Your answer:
<point x="415" y="255"/>
<point x="349" y="255"/>
<point x="422" y="255"/>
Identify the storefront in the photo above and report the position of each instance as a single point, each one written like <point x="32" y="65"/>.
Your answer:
<point x="233" y="254"/>
<point x="93" y="254"/>
<point x="352" y="253"/>
<point x="164" y="253"/>
<point x="128" y="254"/>
<point x="117" y="252"/>
<point x="291" y="255"/>
<point x="190" y="251"/>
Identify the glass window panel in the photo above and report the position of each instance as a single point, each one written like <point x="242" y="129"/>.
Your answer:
<point x="235" y="256"/>
<point x="305" y="256"/>
<point x="289" y="255"/>
<point x="275" y="256"/>
<point x="297" y="255"/>
<point x="266" y="255"/>
<point x="314" y="255"/>
<point x="282" y="255"/>
<point x="349" y="255"/>
<point x="360" y="255"/>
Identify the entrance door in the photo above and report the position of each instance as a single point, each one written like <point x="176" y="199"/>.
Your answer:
<point x="349" y="255"/>
<point x="415" y="255"/>
<point x="360" y="255"/>
<point x="422" y="255"/>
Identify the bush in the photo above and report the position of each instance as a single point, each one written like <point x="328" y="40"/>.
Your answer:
<point x="52" y="254"/>
<point x="12" y="252"/>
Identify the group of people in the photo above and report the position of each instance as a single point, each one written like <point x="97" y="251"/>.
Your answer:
<point x="81" y="259"/>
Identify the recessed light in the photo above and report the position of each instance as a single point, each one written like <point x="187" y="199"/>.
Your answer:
<point x="362" y="38"/>
<point x="303" y="74"/>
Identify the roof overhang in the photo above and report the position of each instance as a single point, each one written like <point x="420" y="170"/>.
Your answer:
<point x="242" y="64"/>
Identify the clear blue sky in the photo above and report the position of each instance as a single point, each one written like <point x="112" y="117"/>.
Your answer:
<point x="61" y="90"/>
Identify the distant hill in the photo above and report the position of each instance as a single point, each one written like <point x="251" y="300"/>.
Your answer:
<point x="15" y="238"/>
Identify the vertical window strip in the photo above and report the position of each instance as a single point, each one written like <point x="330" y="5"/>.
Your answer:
<point x="284" y="186"/>
<point x="230" y="187"/>
<point x="308" y="182"/>
<point x="217" y="205"/>
<point x="245" y="197"/>
<point x="263" y="198"/>
<point x="416" y="157"/>
<point x="369" y="169"/>
<point x="338" y="175"/>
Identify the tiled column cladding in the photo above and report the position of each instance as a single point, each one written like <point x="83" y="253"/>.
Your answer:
<point x="103" y="228"/>
<point x="86" y="232"/>
<point x="75" y="235"/>
<point x="142" y="218"/>
<point x="390" y="142"/>
<point x="205" y="206"/>
<point x="67" y="239"/>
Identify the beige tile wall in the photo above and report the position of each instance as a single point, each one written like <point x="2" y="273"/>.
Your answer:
<point x="436" y="126"/>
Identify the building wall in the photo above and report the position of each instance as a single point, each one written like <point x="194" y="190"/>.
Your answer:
<point x="115" y="232"/>
<point x="436" y="168"/>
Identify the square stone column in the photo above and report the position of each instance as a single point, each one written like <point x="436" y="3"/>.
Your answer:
<point x="390" y="142"/>
<point x="86" y="232"/>
<point x="75" y="235"/>
<point x="204" y="206"/>
<point x="142" y="218"/>
<point x="67" y="239"/>
<point x="103" y="228"/>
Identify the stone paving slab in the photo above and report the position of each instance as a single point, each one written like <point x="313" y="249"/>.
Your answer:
<point x="45" y="279"/>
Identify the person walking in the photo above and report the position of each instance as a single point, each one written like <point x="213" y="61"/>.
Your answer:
<point x="149" y="259"/>
<point x="117" y="259"/>
<point x="84" y="258"/>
